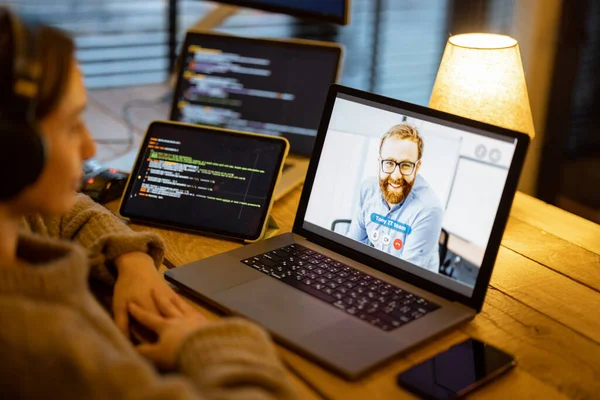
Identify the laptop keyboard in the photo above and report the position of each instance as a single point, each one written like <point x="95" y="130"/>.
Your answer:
<point x="361" y="295"/>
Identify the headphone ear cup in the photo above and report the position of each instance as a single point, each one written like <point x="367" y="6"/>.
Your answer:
<point x="22" y="157"/>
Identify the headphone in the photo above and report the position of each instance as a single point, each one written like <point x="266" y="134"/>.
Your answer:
<point x="23" y="149"/>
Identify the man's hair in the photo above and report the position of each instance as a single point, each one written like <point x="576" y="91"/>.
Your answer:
<point x="404" y="131"/>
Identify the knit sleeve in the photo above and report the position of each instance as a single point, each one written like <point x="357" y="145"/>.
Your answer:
<point x="49" y="348"/>
<point x="233" y="359"/>
<point x="103" y="235"/>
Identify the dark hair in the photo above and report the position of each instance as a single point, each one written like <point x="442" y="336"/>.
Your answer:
<point x="55" y="51"/>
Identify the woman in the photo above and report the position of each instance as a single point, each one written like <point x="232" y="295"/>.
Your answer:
<point x="55" y="338"/>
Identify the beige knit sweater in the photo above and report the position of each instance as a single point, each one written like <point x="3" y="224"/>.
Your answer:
<point x="56" y="341"/>
<point x="103" y="235"/>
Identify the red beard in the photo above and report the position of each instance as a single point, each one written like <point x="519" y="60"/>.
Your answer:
<point x="395" y="196"/>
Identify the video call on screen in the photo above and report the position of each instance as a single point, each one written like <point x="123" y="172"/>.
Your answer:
<point x="251" y="86"/>
<point x="439" y="215"/>
<point x="204" y="179"/>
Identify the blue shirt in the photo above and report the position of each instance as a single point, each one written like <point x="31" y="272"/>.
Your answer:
<point x="409" y="230"/>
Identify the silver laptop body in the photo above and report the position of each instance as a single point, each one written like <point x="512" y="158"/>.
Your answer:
<point x="334" y="333"/>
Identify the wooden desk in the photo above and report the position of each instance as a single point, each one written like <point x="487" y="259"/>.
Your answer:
<point x="542" y="306"/>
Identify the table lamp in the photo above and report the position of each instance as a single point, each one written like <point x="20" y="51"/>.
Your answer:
<point x="481" y="77"/>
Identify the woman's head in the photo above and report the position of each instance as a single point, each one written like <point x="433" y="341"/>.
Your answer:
<point x="57" y="117"/>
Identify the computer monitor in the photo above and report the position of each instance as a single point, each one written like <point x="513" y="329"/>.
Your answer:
<point x="268" y="86"/>
<point x="334" y="11"/>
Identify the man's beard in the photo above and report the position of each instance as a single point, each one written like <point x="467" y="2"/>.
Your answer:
<point x="395" y="196"/>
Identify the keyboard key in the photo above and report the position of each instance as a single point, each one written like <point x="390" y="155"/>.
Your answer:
<point x="278" y="253"/>
<point x="312" y="291"/>
<point x="268" y="261"/>
<point x="272" y="257"/>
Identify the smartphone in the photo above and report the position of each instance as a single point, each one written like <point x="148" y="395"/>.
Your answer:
<point x="456" y="371"/>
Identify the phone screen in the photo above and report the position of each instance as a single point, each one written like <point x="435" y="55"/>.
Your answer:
<point x="456" y="371"/>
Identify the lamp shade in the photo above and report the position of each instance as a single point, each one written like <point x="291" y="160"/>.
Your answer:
<point x="481" y="77"/>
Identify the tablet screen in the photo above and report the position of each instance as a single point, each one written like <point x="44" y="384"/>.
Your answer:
<point x="204" y="179"/>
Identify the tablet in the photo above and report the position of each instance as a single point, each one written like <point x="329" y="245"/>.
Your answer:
<point x="204" y="179"/>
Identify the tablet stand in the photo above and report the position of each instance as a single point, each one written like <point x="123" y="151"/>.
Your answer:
<point x="270" y="230"/>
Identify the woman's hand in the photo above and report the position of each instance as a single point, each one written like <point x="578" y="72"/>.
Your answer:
<point x="175" y="322"/>
<point x="137" y="278"/>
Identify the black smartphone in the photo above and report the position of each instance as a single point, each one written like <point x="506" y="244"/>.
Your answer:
<point x="456" y="371"/>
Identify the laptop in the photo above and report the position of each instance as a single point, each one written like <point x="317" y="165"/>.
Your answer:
<point x="395" y="238"/>
<point x="267" y="86"/>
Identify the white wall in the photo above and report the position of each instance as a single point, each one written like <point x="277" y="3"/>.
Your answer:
<point x="337" y="179"/>
<point x="475" y="198"/>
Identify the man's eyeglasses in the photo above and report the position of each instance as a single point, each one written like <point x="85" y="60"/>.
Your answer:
<point x="406" y="167"/>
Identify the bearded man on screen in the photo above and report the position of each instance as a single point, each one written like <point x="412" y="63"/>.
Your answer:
<point x="399" y="213"/>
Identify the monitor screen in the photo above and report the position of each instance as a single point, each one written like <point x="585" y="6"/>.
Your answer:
<point x="255" y="85"/>
<point x="335" y="11"/>
<point x="417" y="192"/>
<point x="203" y="179"/>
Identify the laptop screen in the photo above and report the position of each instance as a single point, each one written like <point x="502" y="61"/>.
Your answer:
<point x="255" y="85"/>
<point x="414" y="191"/>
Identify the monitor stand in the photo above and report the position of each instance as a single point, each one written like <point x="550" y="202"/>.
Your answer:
<point x="209" y="21"/>
<point x="215" y="17"/>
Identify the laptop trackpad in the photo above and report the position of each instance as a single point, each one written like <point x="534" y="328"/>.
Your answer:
<point x="280" y="308"/>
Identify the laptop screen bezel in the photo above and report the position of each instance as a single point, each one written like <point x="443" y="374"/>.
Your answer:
<point x="301" y="145"/>
<point x="475" y="301"/>
<point x="298" y="12"/>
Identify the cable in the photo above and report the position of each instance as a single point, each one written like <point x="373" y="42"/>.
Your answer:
<point x="125" y="114"/>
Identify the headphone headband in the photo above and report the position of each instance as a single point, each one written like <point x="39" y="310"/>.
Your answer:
<point x="23" y="154"/>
